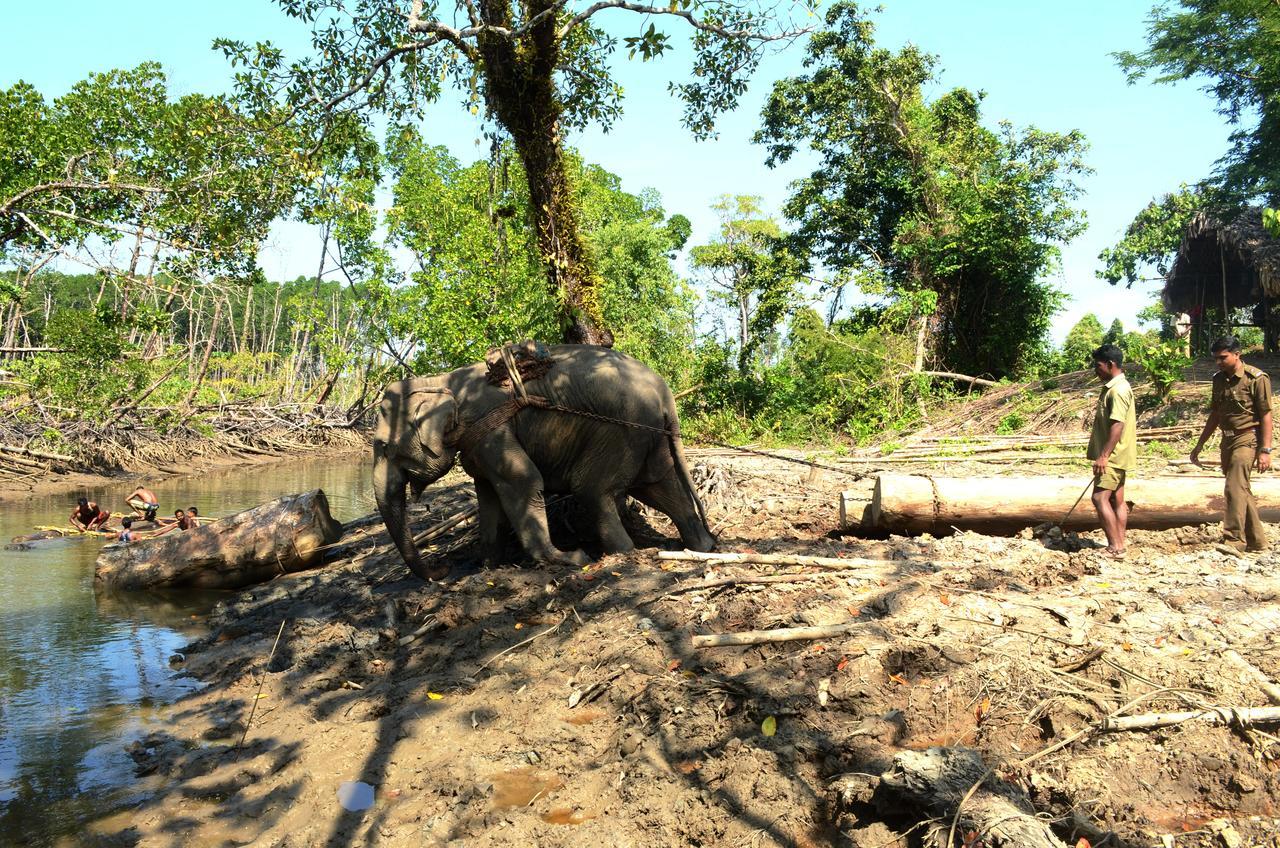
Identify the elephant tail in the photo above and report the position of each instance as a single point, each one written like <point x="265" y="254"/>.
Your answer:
<point x="682" y="467"/>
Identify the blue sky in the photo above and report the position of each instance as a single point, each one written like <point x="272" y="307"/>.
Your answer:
<point x="1040" y="63"/>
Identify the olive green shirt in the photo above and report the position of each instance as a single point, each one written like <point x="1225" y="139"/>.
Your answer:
<point x="1241" y="399"/>
<point x="1115" y="403"/>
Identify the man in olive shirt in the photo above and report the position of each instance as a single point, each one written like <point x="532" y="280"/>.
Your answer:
<point x="1241" y="405"/>
<point x="1113" y="445"/>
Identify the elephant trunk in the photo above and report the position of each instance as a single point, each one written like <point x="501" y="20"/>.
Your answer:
<point x="389" y="482"/>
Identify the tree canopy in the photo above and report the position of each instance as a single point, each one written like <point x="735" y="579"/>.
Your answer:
<point x="537" y="68"/>
<point x="916" y="194"/>
<point x="1233" y="47"/>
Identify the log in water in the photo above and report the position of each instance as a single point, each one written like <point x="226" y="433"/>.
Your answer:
<point x="917" y="503"/>
<point x="282" y="536"/>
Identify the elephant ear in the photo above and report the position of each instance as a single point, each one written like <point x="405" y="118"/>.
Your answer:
<point x="433" y="415"/>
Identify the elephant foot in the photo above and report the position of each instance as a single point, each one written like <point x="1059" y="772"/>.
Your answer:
<point x="573" y="559"/>
<point x="438" y="571"/>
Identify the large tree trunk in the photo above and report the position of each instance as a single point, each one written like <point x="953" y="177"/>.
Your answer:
<point x="521" y="94"/>
<point x="285" y="535"/>
<point x="910" y="503"/>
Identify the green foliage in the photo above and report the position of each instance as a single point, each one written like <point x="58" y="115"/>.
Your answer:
<point x="1081" y="341"/>
<point x="478" y="280"/>
<point x="1011" y="422"/>
<point x="749" y="271"/>
<point x="1233" y="48"/>
<point x="1153" y="237"/>
<point x="195" y="172"/>
<point x="1163" y="362"/>
<point x="842" y="380"/>
<point x="1115" y="334"/>
<point x="922" y="195"/>
<point x="1271" y="222"/>
<point x="90" y="371"/>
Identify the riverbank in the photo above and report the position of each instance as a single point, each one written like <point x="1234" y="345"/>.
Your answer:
<point x="557" y="706"/>
<point x="155" y="457"/>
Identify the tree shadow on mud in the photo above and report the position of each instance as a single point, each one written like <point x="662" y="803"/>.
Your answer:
<point x="697" y="714"/>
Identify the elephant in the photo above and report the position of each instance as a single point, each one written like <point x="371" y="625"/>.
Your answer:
<point x="517" y="456"/>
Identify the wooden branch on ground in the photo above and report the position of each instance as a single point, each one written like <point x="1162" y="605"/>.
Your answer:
<point x="1254" y="675"/>
<point x="1217" y="715"/>
<point x="782" y="634"/>
<point x="752" y="578"/>
<point x="56" y="457"/>
<point x="785" y="559"/>
<point x="951" y="375"/>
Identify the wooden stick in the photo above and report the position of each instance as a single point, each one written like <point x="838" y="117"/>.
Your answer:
<point x="781" y="559"/>
<point x="261" y="681"/>
<point x="753" y="578"/>
<point x="1254" y="674"/>
<point x="59" y="457"/>
<point x="1218" y="715"/>
<point x="782" y="634"/>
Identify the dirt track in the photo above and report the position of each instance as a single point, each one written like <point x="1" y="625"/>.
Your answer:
<point x="467" y="732"/>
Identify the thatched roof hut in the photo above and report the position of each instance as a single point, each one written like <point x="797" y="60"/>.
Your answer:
<point x="1224" y="255"/>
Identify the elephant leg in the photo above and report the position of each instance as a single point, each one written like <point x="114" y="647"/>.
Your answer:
<point x="669" y="497"/>
<point x="603" y="508"/>
<point x="492" y="521"/>
<point x="520" y="495"/>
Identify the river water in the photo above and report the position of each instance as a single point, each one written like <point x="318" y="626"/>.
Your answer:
<point x="83" y="675"/>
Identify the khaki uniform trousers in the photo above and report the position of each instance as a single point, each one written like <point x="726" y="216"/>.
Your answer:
<point x="1240" y="522"/>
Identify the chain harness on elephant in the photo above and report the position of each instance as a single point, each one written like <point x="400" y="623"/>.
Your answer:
<point x="535" y="361"/>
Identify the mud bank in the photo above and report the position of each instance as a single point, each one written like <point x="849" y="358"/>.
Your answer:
<point x="524" y="705"/>
<point x="188" y="458"/>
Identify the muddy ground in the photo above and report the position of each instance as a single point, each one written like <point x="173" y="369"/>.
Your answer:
<point x="544" y="706"/>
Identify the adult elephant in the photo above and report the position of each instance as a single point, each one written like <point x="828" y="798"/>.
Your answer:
<point x="518" y="454"/>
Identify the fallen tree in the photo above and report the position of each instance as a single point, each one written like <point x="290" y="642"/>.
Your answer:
<point x="917" y="503"/>
<point x="282" y="536"/>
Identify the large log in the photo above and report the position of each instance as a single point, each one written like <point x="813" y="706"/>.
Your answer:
<point x="285" y="535"/>
<point x="918" y="503"/>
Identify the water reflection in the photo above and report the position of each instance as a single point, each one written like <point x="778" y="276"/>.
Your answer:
<point x="79" y="676"/>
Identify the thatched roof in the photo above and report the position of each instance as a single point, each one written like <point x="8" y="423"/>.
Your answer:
<point x="1233" y="243"/>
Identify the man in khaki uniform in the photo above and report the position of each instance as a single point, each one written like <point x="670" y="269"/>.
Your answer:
<point x="1113" y="445"/>
<point x="1241" y="405"/>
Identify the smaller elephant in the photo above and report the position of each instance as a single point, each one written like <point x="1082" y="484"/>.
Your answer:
<point x="518" y="453"/>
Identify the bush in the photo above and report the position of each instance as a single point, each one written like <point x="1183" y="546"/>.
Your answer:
<point x="1164" y="362"/>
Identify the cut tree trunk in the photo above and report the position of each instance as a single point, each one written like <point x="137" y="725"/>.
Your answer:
<point x="916" y="503"/>
<point x="282" y="536"/>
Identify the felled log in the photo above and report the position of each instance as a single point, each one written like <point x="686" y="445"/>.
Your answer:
<point x="911" y="503"/>
<point x="942" y="781"/>
<point x="282" y="536"/>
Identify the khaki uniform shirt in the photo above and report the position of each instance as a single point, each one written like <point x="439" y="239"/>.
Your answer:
<point x="1115" y="403"/>
<point x="1241" y="399"/>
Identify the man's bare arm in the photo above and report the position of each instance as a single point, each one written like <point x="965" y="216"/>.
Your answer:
<point x="1209" y="426"/>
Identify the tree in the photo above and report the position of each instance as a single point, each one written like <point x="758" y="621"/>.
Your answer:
<point x="748" y="271"/>
<point x="538" y="69"/>
<point x="476" y="280"/>
<point x="1153" y="237"/>
<point x="916" y="195"/>
<point x="1082" y="340"/>
<point x="1234" y="47"/>
<point x="1114" y="334"/>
